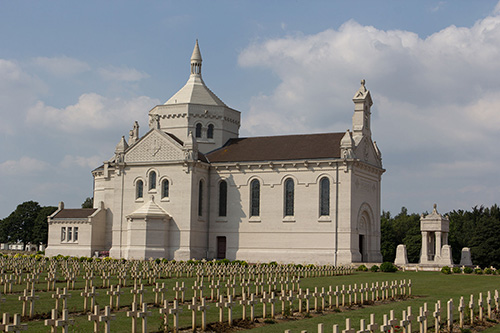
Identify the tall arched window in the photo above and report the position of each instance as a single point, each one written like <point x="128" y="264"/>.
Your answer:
<point x="223" y="198"/>
<point x="210" y="131"/>
<point x="200" y="198"/>
<point x="152" y="180"/>
<point x="164" y="188"/>
<point x="198" y="130"/>
<point x="139" y="189"/>
<point x="255" y="198"/>
<point x="324" y="197"/>
<point x="289" y="197"/>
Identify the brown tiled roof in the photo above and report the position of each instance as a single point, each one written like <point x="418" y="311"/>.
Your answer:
<point x="80" y="213"/>
<point x="279" y="148"/>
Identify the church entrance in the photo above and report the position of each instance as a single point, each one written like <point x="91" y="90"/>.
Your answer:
<point x="221" y="247"/>
<point x="362" y="247"/>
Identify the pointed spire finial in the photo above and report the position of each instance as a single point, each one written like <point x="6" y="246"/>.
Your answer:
<point x="196" y="60"/>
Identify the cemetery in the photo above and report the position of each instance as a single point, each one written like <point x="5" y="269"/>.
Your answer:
<point x="65" y="294"/>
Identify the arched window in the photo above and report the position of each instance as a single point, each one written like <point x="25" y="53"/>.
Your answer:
<point x="324" y="197"/>
<point x="210" y="131"/>
<point x="164" y="188"/>
<point x="255" y="198"/>
<point x="223" y="198"/>
<point x="289" y="197"/>
<point x="152" y="180"/>
<point x="200" y="198"/>
<point x="139" y="189"/>
<point x="198" y="130"/>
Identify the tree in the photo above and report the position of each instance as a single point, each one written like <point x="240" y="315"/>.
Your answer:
<point x="88" y="203"/>
<point x="18" y="226"/>
<point x="41" y="228"/>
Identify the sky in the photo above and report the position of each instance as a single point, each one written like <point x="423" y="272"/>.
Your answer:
<point x="75" y="75"/>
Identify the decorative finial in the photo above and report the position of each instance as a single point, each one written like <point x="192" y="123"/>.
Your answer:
<point x="363" y="82"/>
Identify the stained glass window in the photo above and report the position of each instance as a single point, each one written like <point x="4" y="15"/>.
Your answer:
<point x="164" y="188"/>
<point x="223" y="198"/>
<point x="255" y="198"/>
<point x="200" y="198"/>
<point x="139" y="189"/>
<point x="210" y="131"/>
<point x="324" y="200"/>
<point x="152" y="180"/>
<point x="198" y="130"/>
<point x="289" y="197"/>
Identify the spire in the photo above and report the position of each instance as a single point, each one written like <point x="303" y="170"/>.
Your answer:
<point x="196" y="60"/>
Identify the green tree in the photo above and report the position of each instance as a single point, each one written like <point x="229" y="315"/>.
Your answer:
<point x="18" y="226"/>
<point x="41" y="227"/>
<point x="88" y="203"/>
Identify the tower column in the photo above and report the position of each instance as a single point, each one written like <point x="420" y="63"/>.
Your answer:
<point x="424" y="256"/>
<point x="438" y="244"/>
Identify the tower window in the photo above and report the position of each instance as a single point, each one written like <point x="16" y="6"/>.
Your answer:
<point x="164" y="188"/>
<point x="198" y="130"/>
<point x="210" y="131"/>
<point x="139" y="189"/>
<point x="152" y="180"/>
<point x="289" y="197"/>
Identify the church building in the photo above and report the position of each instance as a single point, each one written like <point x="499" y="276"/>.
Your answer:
<point x="190" y="187"/>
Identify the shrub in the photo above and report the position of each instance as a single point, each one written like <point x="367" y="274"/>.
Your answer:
<point x="457" y="270"/>
<point x="362" y="268"/>
<point x="446" y="270"/>
<point x="374" y="268"/>
<point x="388" y="267"/>
<point x="468" y="270"/>
<point x="488" y="271"/>
<point x="478" y="271"/>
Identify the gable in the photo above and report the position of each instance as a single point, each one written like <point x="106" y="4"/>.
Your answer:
<point x="365" y="151"/>
<point x="155" y="146"/>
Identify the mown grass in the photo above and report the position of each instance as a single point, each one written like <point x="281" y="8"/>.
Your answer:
<point x="427" y="287"/>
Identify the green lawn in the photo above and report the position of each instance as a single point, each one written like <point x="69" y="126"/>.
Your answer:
<point x="427" y="287"/>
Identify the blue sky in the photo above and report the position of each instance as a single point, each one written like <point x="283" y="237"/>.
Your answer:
<point x="74" y="75"/>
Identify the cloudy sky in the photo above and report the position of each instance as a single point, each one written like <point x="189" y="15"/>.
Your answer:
<point x="74" y="75"/>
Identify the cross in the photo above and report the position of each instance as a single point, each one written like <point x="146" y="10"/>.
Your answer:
<point x="107" y="317"/>
<point x="30" y="280"/>
<point x="437" y="315"/>
<point x="348" y="328"/>
<point x="496" y="301"/>
<point x="245" y="286"/>
<point x="144" y="314"/>
<point x="52" y="322"/>
<point x="392" y="321"/>
<point x="410" y="318"/>
<point x="105" y="278"/>
<point x="220" y="305"/>
<point x="471" y="307"/>
<point x="362" y="327"/>
<point x="409" y="287"/>
<point x="342" y="292"/>
<point x="198" y="287"/>
<point x="65" y="321"/>
<point x="5" y="321"/>
<point x="193" y="307"/>
<point x="88" y="279"/>
<point x="175" y="311"/>
<point x="95" y="318"/>
<point x="133" y="314"/>
<point x="61" y="295"/>
<point x="372" y="326"/>
<point x="284" y="298"/>
<point x="160" y="291"/>
<point x="422" y="318"/>
<point x="480" y="306"/>
<point x="203" y="309"/>
<point x="349" y="293"/>
<point x="386" y="327"/>
<point x="489" y="301"/>
<point x="51" y="278"/>
<point x="164" y="311"/>
<point x="317" y="295"/>
<point x="404" y="322"/>
<point x="16" y="326"/>
<point x="180" y="289"/>
<point x="461" y="310"/>
<point x="214" y="286"/>
<point x="138" y="291"/>
<point x="24" y="298"/>
<point x="355" y="292"/>
<point x="449" y="310"/>
<point x="229" y="305"/>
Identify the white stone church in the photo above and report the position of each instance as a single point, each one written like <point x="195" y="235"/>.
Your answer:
<point x="190" y="187"/>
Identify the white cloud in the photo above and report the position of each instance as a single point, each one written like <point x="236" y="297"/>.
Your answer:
<point x="62" y="66"/>
<point x="435" y="112"/>
<point x="122" y="74"/>
<point x="92" y="111"/>
<point x="24" y="166"/>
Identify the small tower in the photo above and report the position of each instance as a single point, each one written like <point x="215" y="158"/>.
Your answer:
<point x="361" y="118"/>
<point x="196" y="60"/>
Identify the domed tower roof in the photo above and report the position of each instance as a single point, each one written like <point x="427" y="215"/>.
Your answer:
<point x="195" y="91"/>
